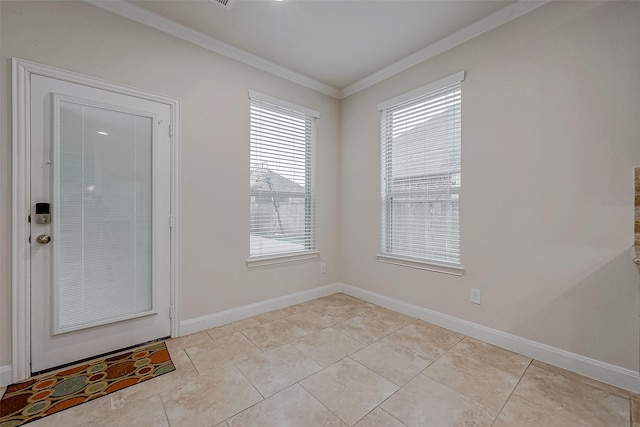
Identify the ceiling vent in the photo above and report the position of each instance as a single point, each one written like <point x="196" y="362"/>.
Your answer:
<point x="226" y="3"/>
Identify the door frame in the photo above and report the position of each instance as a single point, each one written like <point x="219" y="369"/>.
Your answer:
<point x="21" y="206"/>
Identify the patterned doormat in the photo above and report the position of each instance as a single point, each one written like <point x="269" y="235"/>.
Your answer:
<point x="45" y="395"/>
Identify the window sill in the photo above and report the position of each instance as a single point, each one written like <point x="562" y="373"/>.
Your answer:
<point x="421" y="264"/>
<point x="281" y="259"/>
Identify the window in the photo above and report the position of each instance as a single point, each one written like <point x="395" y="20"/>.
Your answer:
<point x="281" y="178"/>
<point x="421" y="177"/>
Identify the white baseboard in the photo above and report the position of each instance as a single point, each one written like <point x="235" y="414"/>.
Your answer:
<point x="6" y="375"/>
<point x="217" y="319"/>
<point x="601" y="371"/>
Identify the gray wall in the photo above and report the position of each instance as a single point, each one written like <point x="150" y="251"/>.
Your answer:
<point x="214" y="98"/>
<point x="550" y="136"/>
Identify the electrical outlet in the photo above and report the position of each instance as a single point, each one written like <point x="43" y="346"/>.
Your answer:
<point x="475" y="296"/>
<point x="323" y="267"/>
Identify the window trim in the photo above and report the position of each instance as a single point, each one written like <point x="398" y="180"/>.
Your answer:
<point x="420" y="264"/>
<point x="261" y="261"/>
<point x="309" y="254"/>
<point x="284" y="104"/>
<point x="408" y="261"/>
<point x="407" y="96"/>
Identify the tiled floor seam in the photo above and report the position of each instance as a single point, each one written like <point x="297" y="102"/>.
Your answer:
<point x="245" y="335"/>
<point x="392" y="394"/>
<point x="538" y="404"/>
<point x="388" y="379"/>
<point x="514" y="393"/>
<point x="345" y="335"/>
<point x="323" y="367"/>
<point x="378" y="405"/>
<point x="191" y="361"/>
<point x="382" y="409"/>
<point x="483" y="363"/>
<point x="377" y="373"/>
<point x="291" y="385"/>
<point x="479" y="360"/>
<point x="378" y="339"/>
<point x="390" y="414"/>
<point x="434" y="361"/>
<point x="578" y="379"/>
<point x="389" y="397"/>
<point x="252" y="385"/>
<point x="226" y="421"/>
<point x="511" y="394"/>
<point x="318" y="400"/>
<point x="462" y="394"/>
<point x="164" y="409"/>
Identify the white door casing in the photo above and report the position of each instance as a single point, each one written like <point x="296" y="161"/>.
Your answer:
<point x="37" y="339"/>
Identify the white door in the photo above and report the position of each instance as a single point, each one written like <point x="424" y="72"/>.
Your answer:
<point x="100" y="262"/>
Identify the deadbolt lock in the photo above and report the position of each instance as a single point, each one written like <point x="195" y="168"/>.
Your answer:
<point x="43" y="213"/>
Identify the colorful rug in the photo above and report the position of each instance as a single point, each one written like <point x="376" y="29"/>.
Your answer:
<point x="45" y="395"/>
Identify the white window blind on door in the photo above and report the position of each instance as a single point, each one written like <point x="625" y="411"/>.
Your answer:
<point x="281" y="178"/>
<point x="421" y="173"/>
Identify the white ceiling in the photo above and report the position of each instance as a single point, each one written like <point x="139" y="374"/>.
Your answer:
<point x="335" y="46"/>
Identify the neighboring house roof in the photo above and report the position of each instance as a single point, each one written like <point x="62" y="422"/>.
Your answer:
<point x="263" y="179"/>
<point x="409" y="149"/>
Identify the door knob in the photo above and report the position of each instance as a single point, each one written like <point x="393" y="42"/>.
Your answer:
<point x="43" y="238"/>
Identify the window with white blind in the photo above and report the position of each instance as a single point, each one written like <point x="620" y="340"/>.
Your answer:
<point x="281" y="179"/>
<point x="421" y="159"/>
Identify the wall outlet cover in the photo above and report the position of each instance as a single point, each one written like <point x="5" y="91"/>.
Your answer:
<point x="475" y="296"/>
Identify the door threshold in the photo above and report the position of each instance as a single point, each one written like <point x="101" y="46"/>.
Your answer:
<point x="98" y="356"/>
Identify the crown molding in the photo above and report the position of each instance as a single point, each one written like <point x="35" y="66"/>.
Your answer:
<point x="467" y="33"/>
<point x="143" y="16"/>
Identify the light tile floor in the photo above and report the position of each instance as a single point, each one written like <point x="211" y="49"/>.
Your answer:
<point x="337" y="361"/>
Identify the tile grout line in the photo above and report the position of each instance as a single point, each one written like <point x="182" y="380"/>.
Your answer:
<point x="416" y="375"/>
<point x="377" y="339"/>
<point x="287" y="387"/>
<point x="631" y="420"/>
<point x="422" y="372"/>
<point x="252" y="385"/>
<point x="511" y="394"/>
<point x="166" y="415"/>
<point x="419" y="355"/>
<point x="190" y="361"/>
<point x="251" y="341"/>
<point x="319" y="401"/>
<point x="538" y="404"/>
<point x="473" y="357"/>
<point x="390" y="414"/>
<point x="392" y="394"/>
<point x="469" y="397"/>
<point x="322" y="368"/>
<point x="296" y="383"/>
<point x="226" y="421"/>
<point x="578" y="378"/>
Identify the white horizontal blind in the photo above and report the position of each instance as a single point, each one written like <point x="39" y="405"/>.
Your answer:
<point x="282" y="198"/>
<point x="421" y="176"/>
<point x="104" y="238"/>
